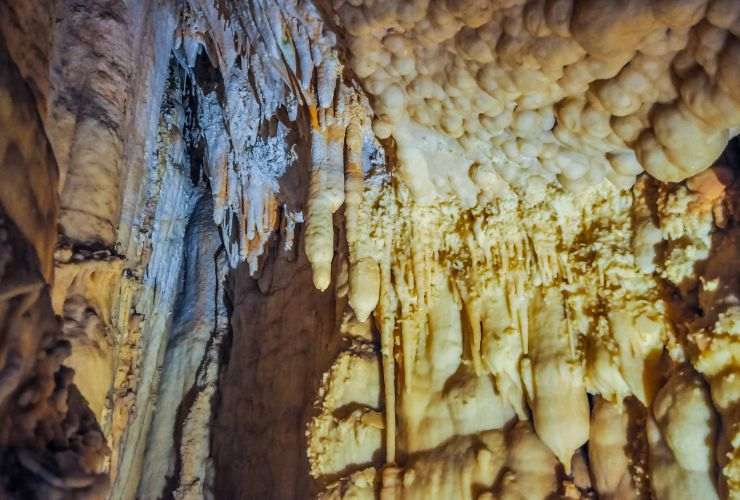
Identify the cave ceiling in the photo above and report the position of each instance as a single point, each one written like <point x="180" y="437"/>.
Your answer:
<point x="350" y="249"/>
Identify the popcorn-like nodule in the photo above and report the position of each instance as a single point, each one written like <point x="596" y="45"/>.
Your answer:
<point x="470" y="68"/>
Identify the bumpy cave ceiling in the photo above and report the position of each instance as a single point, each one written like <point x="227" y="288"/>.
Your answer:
<point x="358" y="249"/>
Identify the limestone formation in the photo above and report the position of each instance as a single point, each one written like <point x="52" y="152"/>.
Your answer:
<point x="349" y="249"/>
<point x="50" y="443"/>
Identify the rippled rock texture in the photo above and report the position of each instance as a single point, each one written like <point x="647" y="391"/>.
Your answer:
<point x="369" y="249"/>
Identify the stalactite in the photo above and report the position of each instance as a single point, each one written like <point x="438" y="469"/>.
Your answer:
<point x="528" y="210"/>
<point x="364" y="278"/>
<point x="326" y="192"/>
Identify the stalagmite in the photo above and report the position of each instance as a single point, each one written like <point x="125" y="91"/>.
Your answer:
<point x="607" y="450"/>
<point x="531" y="468"/>
<point x="682" y="432"/>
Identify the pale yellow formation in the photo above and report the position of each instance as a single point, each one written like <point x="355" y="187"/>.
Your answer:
<point x="557" y="389"/>
<point x="364" y="277"/>
<point x="718" y="362"/>
<point x="326" y="191"/>
<point x="85" y="290"/>
<point x="531" y="468"/>
<point x="607" y="450"/>
<point x="547" y="91"/>
<point x="550" y="231"/>
<point x="681" y="433"/>
<point x="509" y="465"/>
<point x="690" y="218"/>
<point x="515" y="311"/>
<point x="529" y="211"/>
<point x="489" y="320"/>
<point x="360" y="485"/>
<point x="455" y="470"/>
<point x="349" y="427"/>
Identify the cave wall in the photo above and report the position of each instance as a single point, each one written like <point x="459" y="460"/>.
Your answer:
<point x="262" y="301"/>
<point x="51" y="444"/>
<point x="159" y="115"/>
<point x="283" y="339"/>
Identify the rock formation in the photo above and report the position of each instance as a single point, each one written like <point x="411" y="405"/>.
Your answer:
<point x="370" y="249"/>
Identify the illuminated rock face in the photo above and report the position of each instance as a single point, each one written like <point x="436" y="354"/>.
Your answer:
<point x="370" y="248"/>
<point x="546" y="91"/>
<point x="525" y="272"/>
<point x="525" y="313"/>
<point x="51" y="445"/>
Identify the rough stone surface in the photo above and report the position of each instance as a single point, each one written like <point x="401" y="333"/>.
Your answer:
<point x="369" y="248"/>
<point x="50" y="444"/>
